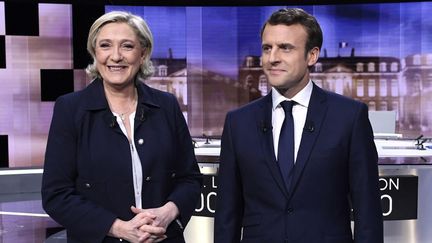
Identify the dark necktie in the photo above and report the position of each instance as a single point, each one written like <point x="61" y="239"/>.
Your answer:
<point x="286" y="143"/>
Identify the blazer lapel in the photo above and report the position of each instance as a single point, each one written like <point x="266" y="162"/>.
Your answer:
<point x="314" y="118"/>
<point x="146" y="104"/>
<point x="264" y="127"/>
<point x="94" y="100"/>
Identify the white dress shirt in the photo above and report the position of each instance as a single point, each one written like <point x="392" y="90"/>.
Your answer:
<point x="136" y="161"/>
<point x="299" y="113"/>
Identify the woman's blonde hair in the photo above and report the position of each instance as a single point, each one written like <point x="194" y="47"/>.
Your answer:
<point x="141" y="30"/>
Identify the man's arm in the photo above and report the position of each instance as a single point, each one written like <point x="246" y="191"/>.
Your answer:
<point x="363" y="169"/>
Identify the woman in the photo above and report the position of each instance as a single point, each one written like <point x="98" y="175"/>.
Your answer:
<point x="119" y="163"/>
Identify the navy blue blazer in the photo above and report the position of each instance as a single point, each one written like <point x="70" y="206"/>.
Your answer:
<point x="87" y="179"/>
<point x="336" y="169"/>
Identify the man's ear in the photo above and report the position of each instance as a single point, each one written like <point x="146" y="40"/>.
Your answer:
<point x="313" y="56"/>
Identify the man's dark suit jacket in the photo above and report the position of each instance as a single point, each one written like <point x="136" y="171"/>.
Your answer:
<point x="336" y="169"/>
<point x="87" y="180"/>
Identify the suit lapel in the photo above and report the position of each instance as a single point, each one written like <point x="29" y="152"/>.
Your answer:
<point x="264" y="128"/>
<point x="314" y="118"/>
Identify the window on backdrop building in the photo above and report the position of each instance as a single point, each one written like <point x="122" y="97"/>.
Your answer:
<point x="371" y="67"/>
<point x="262" y="85"/>
<point x="394" y="67"/>
<point x="163" y="70"/>
<point x="371" y="88"/>
<point x="360" y="88"/>
<point x="394" y="88"/>
<point x="339" y="86"/>
<point x="383" y="67"/>
<point x="249" y="61"/>
<point x="360" y="67"/>
<point x="383" y="88"/>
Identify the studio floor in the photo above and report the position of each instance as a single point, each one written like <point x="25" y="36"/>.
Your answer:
<point x="22" y="220"/>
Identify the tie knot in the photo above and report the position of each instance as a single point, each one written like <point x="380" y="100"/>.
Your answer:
<point x="287" y="105"/>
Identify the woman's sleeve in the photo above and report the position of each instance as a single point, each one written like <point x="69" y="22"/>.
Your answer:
<point x="188" y="179"/>
<point x="83" y="219"/>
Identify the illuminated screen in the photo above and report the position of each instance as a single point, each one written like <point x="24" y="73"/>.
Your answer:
<point x="209" y="57"/>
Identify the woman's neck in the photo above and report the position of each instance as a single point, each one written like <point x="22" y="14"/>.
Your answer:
<point x="121" y="101"/>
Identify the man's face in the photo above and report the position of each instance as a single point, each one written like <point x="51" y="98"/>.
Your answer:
<point x="283" y="57"/>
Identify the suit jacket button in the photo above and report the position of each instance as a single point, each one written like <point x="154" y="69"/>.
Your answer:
<point x="289" y="210"/>
<point x="140" y="141"/>
<point x="87" y="185"/>
<point x="173" y="175"/>
<point x="148" y="178"/>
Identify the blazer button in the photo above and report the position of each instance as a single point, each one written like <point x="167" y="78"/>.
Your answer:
<point x="87" y="185"/>
<point x="148" y="178"/>
<point x="173" y="175"/>
<point x="140" y="141"/>
<point x="289" y="210"/>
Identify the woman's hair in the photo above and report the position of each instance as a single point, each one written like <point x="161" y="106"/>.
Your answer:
<point x="140" y="28"/>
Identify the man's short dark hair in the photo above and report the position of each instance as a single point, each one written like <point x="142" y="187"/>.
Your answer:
<point x="292" y="16"/>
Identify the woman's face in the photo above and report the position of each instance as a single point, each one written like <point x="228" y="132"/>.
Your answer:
<point x="119" y="54"/>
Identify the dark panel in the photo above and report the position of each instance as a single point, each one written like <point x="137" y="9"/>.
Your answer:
<point x="83" y="16"/>
<point x="56" y="82"/>
<point x="2" y="52"/>
<point x="4" y="151"/>
<point x="22" y="18"/>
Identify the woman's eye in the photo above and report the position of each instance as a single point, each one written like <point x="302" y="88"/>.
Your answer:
<point x="104" y="45"/>
<point x="128" y="46"/>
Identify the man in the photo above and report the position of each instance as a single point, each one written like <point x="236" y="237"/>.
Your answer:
<point x="294" y="178"/>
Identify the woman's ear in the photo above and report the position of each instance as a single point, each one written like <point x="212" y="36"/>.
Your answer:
<point x="143" y="56"/>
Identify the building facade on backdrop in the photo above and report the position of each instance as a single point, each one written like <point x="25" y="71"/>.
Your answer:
<point x="383" y="83"/>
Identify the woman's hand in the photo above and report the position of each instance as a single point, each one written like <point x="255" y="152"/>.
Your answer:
<point x="139" y="229"/>
<point x="163" y="217"/>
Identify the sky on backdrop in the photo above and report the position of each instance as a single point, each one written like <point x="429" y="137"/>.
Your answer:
<point x="218" y="38"/>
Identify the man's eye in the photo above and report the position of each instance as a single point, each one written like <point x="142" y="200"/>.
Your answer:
<point x="266" y="48"/>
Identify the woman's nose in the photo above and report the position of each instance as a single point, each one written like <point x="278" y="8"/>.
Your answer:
<point x="116" y="55"/>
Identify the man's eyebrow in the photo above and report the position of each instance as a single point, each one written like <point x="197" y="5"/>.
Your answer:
<point x="286" y="46"/>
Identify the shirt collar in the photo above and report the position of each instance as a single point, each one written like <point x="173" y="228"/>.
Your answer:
<point x="301" y="98"/>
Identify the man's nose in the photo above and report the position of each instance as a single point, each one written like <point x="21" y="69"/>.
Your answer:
<point x="274" y="56"/>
